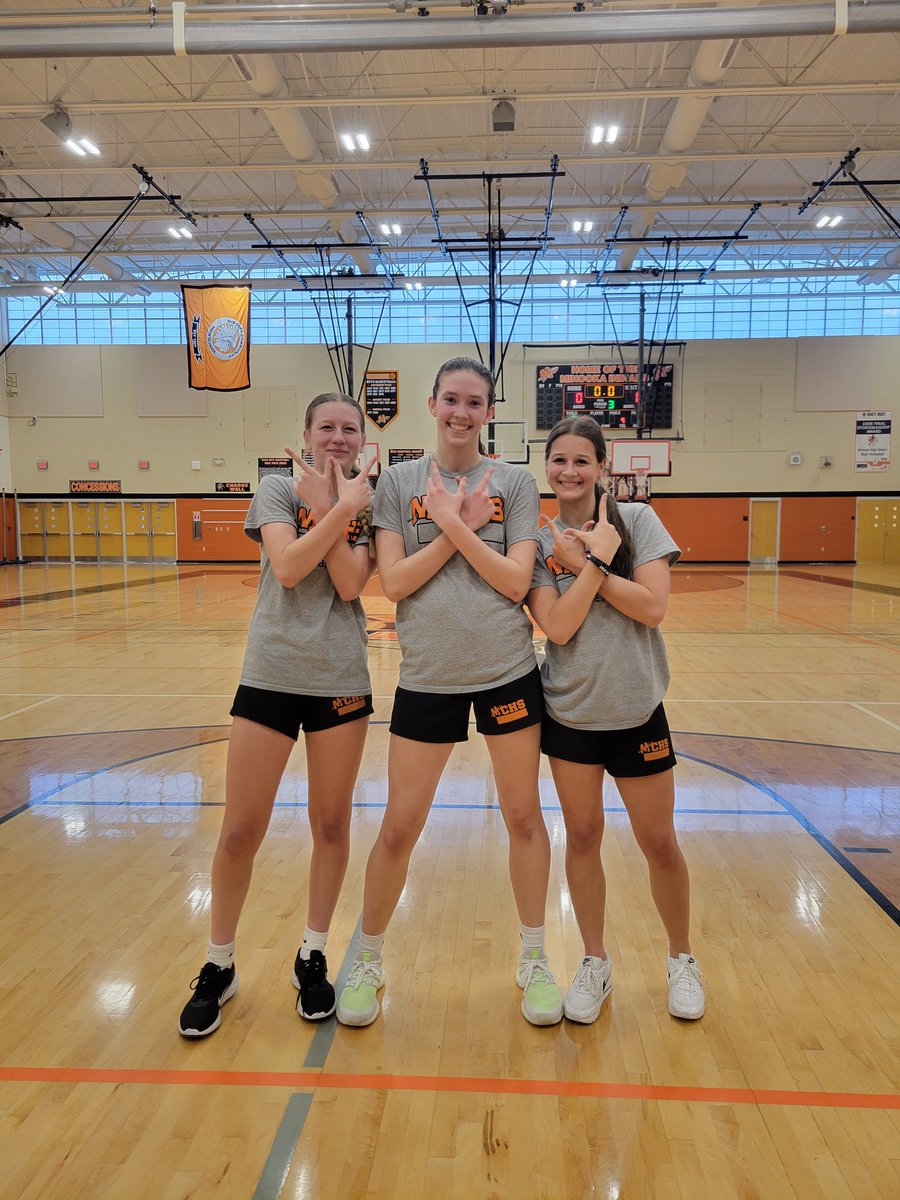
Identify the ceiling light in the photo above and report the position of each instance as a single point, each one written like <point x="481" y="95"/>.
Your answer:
<point x="588" y="226"/>
<point x="597" y="135"/>
<point x="355" y="141"/>
<point x="59" y="123"/>
<point x="822" y="221"/>
<point x="184" y="231"/>
<point x="564" y="283"/>
<point x="396" y="230"/>
<point x="612" y="133"/>
<point x="176" y="233"/>
<point x="418" y="287"/>
<point x="834" y="221"/>
<point x="386" y="230"/>
<point x="576" y="227"/>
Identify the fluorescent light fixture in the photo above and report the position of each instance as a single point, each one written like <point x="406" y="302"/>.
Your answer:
<point x="185" y="231"/>
<point x="396" y="230"/>
<point x="823" y="221"/>
<point x="597" y="135"/>
<point x="588" y="226"/>
<point x="176" y="233"/>
<point x="564" y="283"/>
<point x="386" y="230"/>
<point x="834" y="221"/>
<point x="355" y="141"/>
<point x="59" y="123"/>
<point x="418" y="287"/>
<point x="612" y="133"/>
<point x="409" y="287"/>
<point x="576" y="227"/>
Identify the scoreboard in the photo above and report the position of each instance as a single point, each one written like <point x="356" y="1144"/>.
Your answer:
<point x="605" y="391"/>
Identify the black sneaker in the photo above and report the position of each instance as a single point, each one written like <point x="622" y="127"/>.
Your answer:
<point x="212" y="987"/>
<point x="310" y="978"/>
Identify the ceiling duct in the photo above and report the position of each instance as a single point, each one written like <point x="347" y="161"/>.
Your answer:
<point x="87" y="38"/>
<point x="665" y="174"/>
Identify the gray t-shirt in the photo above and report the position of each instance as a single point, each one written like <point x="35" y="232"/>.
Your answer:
<point x="614" y="672"/>
<point x="303" y="639"/>
<point x="456" y="633"/>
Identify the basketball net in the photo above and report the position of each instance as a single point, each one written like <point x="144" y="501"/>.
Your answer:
<point x="641" y="485"/>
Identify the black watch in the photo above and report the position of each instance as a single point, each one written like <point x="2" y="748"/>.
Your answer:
<point x="599" y="564"/>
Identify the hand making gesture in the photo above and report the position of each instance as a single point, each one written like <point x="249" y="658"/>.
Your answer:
<point x="478" y="506"/>
<point x="601" y="539"/>
<point x="442" y="504"/>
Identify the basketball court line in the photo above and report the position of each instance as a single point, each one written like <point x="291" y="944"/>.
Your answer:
<point x="871" y="890"/>
<point x="576" y="1089"/>
<point x="862" y="708"/>
<point x="27" y="708"/>
<point x="278" y="1163"/>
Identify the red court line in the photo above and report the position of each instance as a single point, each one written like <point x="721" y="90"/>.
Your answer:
<point x="437" y="1083"/>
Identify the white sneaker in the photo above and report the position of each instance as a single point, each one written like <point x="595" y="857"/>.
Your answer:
<point x="590" y="987"/>
<point x="686" y="999"/>
<point x="542" y="1003"/>
<point x="358" y="1002"/>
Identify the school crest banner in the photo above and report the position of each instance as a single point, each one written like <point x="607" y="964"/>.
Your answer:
<point x="217" y="322"/>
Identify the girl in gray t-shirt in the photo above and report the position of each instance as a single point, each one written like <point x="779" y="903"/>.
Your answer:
<point x="304" y="667"/>
<point x="599" y="592"/>
<point x="456" y="540"/>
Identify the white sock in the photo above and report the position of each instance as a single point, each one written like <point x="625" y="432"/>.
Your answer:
<point x="531" y="938"/>
<point x="371" y="943"/>
<point x="312" y="941"/>
<point x="222" y="956"/>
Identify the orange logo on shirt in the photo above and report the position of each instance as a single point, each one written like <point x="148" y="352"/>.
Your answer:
<point x="556" y="568"/>
<point x="347" y="704"/>
<point x="418" y="510"/>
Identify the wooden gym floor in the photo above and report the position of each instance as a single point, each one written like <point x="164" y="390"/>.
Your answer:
<point x="114" y="697"/>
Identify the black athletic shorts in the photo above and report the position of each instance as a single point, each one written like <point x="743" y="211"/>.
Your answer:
<point x="286" y="713"/>
<point x="644" y="750"/>
<point x="444" y="716"/>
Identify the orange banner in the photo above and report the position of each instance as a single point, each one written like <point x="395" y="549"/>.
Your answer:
<point x="217" y="322"/>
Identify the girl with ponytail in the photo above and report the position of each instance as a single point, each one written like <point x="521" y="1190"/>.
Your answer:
<point x="599" y="592"/>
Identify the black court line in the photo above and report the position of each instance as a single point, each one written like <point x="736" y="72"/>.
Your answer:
<point x="866" y="850"/>
<point x="886" y="905"/>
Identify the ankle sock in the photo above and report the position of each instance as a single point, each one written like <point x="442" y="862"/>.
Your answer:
<point x="371" y="943"/>
<point x="312" y="941"/>
<point x="531" y="938"/>
<point x="222" y="956"/>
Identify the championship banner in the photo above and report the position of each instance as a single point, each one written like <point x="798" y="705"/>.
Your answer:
<point x="217" y="322"/>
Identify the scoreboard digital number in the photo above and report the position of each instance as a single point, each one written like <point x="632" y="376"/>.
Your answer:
<point x="608" y="392"/>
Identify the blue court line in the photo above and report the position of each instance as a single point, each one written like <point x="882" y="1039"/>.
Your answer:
<point x="324" y="1035"/>
<point x="278" y="1162"/>
<point x="49" y="801"/>
<point x="874" y="893"/>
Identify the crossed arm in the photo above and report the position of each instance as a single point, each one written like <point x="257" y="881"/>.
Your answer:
<point x="458" y="515"/>
<point x="334" y="501"/>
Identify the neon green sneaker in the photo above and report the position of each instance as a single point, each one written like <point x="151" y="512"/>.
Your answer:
<point x="358" y="1003"/>
<point x="542" y="1003"/>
